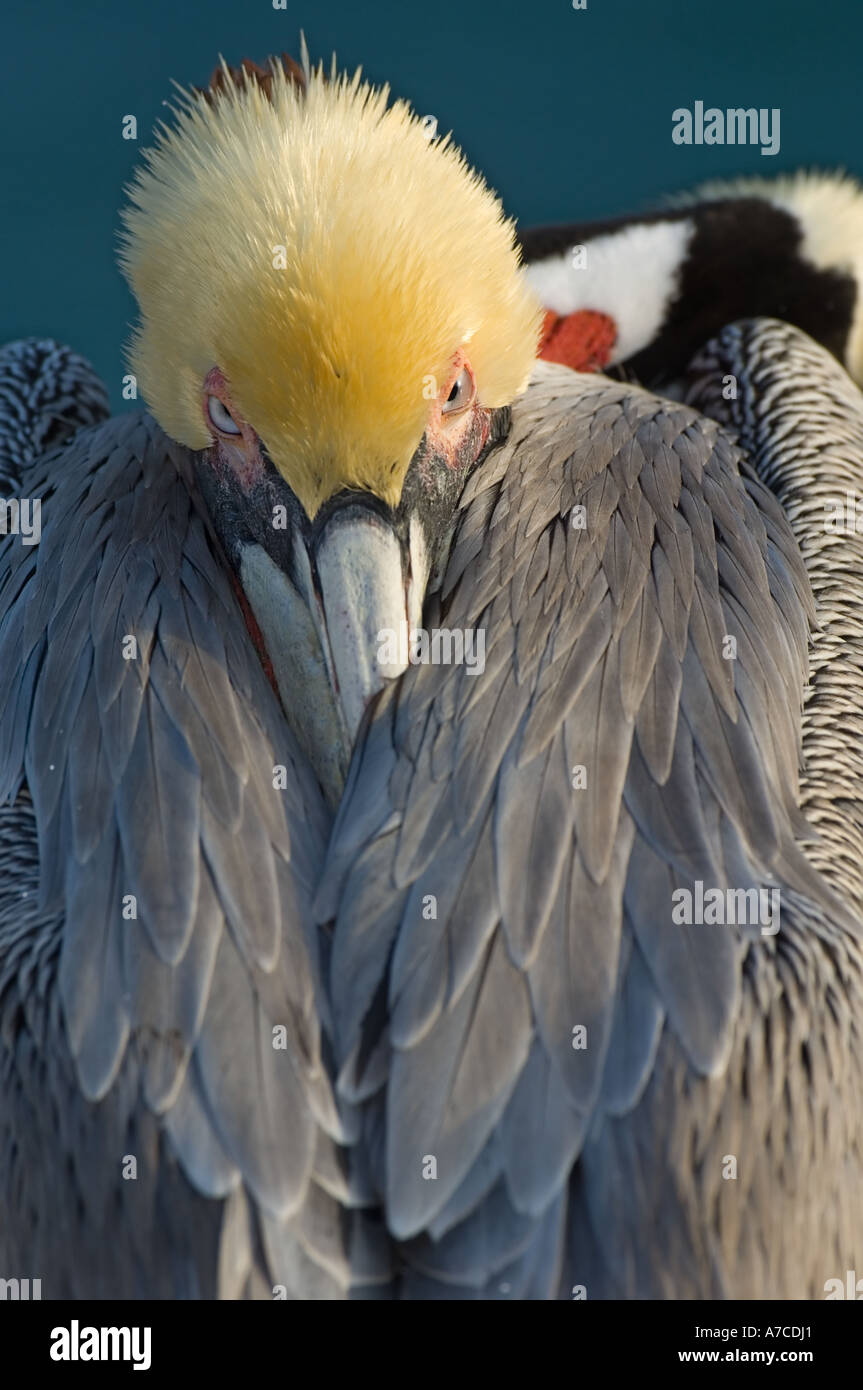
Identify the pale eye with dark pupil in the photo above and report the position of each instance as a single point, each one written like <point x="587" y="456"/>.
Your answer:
<point x="461" y="394"/>
<point x="221" y="417"/>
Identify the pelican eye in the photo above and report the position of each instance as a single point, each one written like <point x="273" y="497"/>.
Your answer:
<point x="221" y="417"/>
<point x="461" y="394"/>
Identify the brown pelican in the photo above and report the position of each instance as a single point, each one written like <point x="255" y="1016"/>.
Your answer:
<point x="328" y="969"/>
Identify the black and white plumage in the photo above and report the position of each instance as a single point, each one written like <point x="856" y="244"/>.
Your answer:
<point x="787" y="248"/>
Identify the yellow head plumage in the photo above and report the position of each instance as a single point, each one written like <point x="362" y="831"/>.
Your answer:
<point x="327" y="256"/>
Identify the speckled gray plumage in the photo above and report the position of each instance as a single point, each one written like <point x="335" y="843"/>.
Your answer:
<point x="800" y="419"/>
<point x="47" y="393"/>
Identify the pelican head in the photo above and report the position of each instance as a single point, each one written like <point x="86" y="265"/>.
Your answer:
<point x="334" y="318"/>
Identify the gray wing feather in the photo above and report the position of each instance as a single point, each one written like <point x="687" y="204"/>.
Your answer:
<point x="152" y="785"/>
<point x="606" y="650"/>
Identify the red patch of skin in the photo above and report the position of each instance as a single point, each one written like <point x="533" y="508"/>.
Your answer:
<point x="584" y="340"/>
<point x="255" y="633"/>
<point x="239" y="452"/>
<point x="448" y="433"/>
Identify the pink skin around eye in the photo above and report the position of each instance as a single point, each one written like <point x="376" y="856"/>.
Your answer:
<point x="458" y="440"/>
<point x="448" y="437"/>
<point x="241" y="453"/>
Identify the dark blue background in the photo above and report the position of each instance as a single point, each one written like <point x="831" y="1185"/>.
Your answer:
<point x="568" y="113"/>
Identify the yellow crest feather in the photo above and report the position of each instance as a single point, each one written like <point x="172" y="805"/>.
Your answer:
<point x="395" y="256"/>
